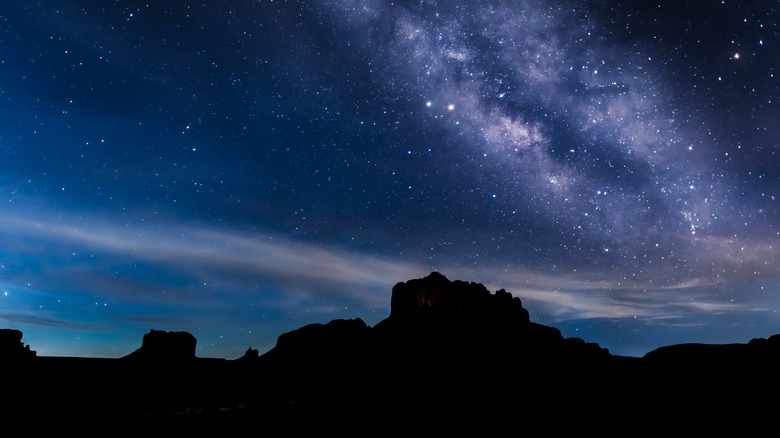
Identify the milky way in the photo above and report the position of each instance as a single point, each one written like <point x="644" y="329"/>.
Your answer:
<point x="239" y="169"/>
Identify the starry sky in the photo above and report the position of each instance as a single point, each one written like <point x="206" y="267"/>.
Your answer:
<point x="238" y="169"/>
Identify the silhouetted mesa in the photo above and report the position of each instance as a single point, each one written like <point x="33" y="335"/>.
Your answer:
<point x="436" y="294"/>
<point x="12" y="347"/>
<point x="446" y="346"/>
<point x="434" y="313"/>
<point x="437" y="320"/>
<point x="165" y="346"/>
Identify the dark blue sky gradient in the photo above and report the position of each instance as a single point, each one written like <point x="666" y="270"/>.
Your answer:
<point x="240" y="169"/>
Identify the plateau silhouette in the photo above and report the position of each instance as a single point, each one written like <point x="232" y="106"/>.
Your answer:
<point x="450" y="356"/>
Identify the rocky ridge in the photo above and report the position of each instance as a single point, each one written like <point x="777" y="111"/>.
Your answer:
<point x="449" y="349"/>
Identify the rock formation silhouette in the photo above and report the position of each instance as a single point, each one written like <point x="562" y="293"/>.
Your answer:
<point x="447" y="346"/>
<point x="250" y="355"/>
<point x="159" y="345"/>
<point x="12" y="347"/>
<point x="450" y="355"/>
<point x="437" y="315"/>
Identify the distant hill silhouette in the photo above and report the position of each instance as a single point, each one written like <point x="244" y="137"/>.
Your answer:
<point x="450" y="355"/>
<point x="758" y="351"/>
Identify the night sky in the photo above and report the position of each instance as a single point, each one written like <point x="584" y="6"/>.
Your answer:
<point x="238" y="169"/>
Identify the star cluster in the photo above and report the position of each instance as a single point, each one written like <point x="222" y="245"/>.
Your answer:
<point x="237" y="169"/>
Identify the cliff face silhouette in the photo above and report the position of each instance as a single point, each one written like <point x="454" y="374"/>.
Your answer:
<point x="11" y="346"/>
<point x="441" y="336"/>
<point x="450" y="353"/>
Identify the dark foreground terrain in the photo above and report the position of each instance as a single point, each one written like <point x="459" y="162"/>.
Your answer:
<point x="451" y="357"/>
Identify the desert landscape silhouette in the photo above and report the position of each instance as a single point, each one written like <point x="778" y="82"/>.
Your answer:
<point x="450" y="355"/>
